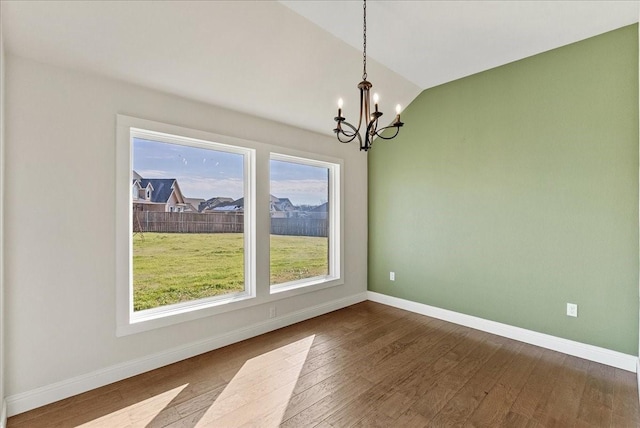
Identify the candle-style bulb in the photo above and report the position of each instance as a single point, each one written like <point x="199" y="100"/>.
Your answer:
<point x="375" y="98"/>
<point x="398" y="109"/>
<point x="340" y="103"/>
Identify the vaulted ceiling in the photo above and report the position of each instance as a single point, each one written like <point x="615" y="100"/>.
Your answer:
<point x="290" y="61"/>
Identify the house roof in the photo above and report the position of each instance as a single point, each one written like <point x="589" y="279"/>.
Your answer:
<point x="237" y="203"/>
<point x="211" y="203"/>
<point x="217" y="200"/>
<point x="321" y="208"/>
<point x="163" y="187"/>
<point x="230" y="206"/>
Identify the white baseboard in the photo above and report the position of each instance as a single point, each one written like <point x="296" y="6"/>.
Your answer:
<point x="577" y="349"/>
<point x="638" y="376"/>
<point x="28" y="400"/>
<point x="3" y="414"/>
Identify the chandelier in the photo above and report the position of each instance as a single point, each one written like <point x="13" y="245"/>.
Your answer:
<point x="366" y="116"/>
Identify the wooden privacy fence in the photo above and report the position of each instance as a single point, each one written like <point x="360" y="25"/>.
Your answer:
<point x="163" y="222"/>
<point x="300" y="226"/>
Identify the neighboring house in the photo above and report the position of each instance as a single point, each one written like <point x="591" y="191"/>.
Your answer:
<point x="319" y="212"/>
<point x="210" y="204"/>
<point x="193" y="204"/>
<point x="284" y="204"/>
<point x="282" y="207"/>
<point x="279" y="207"/>
<point x="156" y="194"/>
<point x="233" y="206"/>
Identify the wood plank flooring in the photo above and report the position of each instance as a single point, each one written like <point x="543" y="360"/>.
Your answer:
<point x="367" y="365"/>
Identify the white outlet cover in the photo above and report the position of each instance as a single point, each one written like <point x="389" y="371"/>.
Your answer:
<point x="392" y="276"/>
<point x="572" y="310"/>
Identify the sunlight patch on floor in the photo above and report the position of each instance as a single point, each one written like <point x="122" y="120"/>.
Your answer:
<point x="138" y="414"/>
<point x="259" y="393"/>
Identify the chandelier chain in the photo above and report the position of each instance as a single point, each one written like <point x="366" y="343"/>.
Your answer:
<point x="364" y="41"/>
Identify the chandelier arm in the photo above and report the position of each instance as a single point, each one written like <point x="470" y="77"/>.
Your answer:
<point x="358" y="136"/>
<point x="373" y="124"/>
<point x="381" y="130"/>
<point x="371" y="128"/>
<point x="350" y="126"/>
<point x="374" y="127"/>
<point x="350" y="136"/>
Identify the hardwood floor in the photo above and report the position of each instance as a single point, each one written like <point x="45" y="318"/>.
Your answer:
<point x="368" y="365"/>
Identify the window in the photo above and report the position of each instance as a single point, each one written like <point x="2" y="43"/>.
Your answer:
<point x="186" y="246"/>
<point x="178" y="264"/>
<point x="177" y="260"/>
<point x="304" y="223"/>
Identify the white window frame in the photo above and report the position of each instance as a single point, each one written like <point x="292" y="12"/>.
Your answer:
<point x="257" y="229"/>
<point x="129" y="321"/>
<point x="333" y="215"/>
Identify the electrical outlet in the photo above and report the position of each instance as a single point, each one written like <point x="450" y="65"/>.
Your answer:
<point x="572" y="310"/>
<point x="272" y="312"/>
<point x="392" y="276"/>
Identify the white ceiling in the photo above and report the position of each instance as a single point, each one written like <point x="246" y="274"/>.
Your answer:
<point x="290" y="61"/>
<point x="434" y="42"/>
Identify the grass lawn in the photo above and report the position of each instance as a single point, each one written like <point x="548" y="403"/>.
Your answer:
<point x="178" y="267"/>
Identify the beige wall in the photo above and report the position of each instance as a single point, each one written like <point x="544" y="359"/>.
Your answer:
<point x="2" y="310"/>
<point x="60" y="264"/>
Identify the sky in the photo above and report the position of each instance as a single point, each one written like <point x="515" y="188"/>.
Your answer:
<point x="204" y="173"/>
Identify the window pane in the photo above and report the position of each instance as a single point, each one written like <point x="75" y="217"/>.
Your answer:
<point x="188" y="223"/>
<point x="299" y="206"/>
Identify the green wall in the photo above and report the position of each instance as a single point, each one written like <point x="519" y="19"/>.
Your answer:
<point x="514" y="191"/>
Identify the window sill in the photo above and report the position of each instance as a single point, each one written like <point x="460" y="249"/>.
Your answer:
<point x="315" y="283"/>
<point x="169" y="315"/>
